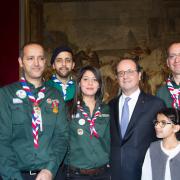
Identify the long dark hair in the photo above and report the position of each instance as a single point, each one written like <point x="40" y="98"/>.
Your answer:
<point x="78" y="95"/>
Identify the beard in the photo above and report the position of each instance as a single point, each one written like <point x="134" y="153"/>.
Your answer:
<point x="63" y="74"/>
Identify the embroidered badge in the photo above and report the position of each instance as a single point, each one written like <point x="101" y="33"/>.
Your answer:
<point x="104" y="115"/>
<point x="55" y="106"/>
<point x="17" y="101"/>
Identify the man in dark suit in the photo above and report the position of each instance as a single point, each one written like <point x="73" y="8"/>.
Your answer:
<point x="132" y="128"/>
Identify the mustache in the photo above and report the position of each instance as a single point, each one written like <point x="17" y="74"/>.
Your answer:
<point x="64" y="68"/>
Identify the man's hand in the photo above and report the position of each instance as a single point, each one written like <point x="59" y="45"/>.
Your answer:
<point x="44" y="174"/>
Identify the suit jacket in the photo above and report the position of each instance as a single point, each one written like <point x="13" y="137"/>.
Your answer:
<point x="127" y="154"/>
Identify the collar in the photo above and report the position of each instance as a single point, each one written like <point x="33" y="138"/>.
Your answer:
<point x="173" y="82"/>
<point x="32" y="87"/>
<point x="98" y="103"/>
<point x="70" y="78"/>
<point x="134" y="95"/>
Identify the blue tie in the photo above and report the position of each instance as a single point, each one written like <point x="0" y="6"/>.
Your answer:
<point x="125" y="116"/>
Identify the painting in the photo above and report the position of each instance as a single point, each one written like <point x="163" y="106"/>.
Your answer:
<point x="100" y="33"/>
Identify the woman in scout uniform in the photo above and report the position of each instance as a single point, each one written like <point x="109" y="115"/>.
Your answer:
<point x="89" y="144"/>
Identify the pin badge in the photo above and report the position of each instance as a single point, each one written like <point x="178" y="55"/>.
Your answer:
<point x="56" y="101"/>
<point x="55" y="106"/>
<point x="49" y="100"/>
<point x="80" y="131"/>
<point x="21" y="94"/>
<point x="81" y="122"/>
<point x="41" y="95"/>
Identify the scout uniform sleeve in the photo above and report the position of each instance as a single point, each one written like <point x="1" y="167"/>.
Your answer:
<point x="7" y="157"/>
<point x="60" y="139"/>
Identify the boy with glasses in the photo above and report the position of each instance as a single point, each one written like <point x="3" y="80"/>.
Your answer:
<point x="162" y="160"/>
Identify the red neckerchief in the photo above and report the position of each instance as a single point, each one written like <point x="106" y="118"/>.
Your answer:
<point x="36" y="113"/>
<point x="91" y="121"/>
<point x="174" y="93"/>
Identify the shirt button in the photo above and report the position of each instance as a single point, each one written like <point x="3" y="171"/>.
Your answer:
<point x="35" y="155"/>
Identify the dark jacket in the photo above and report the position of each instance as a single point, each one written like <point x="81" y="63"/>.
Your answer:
<point x="127" y="154"/>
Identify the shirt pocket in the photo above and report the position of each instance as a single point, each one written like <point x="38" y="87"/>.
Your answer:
<point x="49" y="119"/>
<point x="20" y="118"/>
<point x="101" y="125"/>
<point x="19" y="113"/>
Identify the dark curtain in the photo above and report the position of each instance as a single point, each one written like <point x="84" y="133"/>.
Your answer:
<point x="9" y="41"/>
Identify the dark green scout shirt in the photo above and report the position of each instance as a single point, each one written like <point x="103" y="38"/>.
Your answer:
<point x="70" y="91"/>
<point x="165" y="95"/>
<point x="89" y="153"/>
<point x="17" y="152"/>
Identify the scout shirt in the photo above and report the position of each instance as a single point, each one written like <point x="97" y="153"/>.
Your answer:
<point x="17" y="152"/>
<point x="70" y="90"/>
<point x="165" y="95"/>
<point x="86" y="152"/>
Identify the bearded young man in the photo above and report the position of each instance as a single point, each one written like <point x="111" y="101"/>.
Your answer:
<point x="63" y="64"/>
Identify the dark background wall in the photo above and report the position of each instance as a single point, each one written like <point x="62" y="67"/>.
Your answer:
<point x="9" y="41"/>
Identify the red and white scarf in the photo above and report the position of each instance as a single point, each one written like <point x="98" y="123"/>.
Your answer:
<point x="36" y="113"/>
<point x="174" y="94"/>
<point x="91" y="121"/>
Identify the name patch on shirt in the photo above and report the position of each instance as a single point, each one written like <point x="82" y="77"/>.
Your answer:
<point x="104" y="115"/>
<point x="17" y="101"/>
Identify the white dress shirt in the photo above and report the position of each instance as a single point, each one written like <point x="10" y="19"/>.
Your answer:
<point x="131" y="103"/>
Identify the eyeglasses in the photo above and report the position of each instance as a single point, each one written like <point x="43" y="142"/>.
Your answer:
<point x="162" y="124"/>
<point x="173" y="56"/>
<point x="129" y="72"/>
